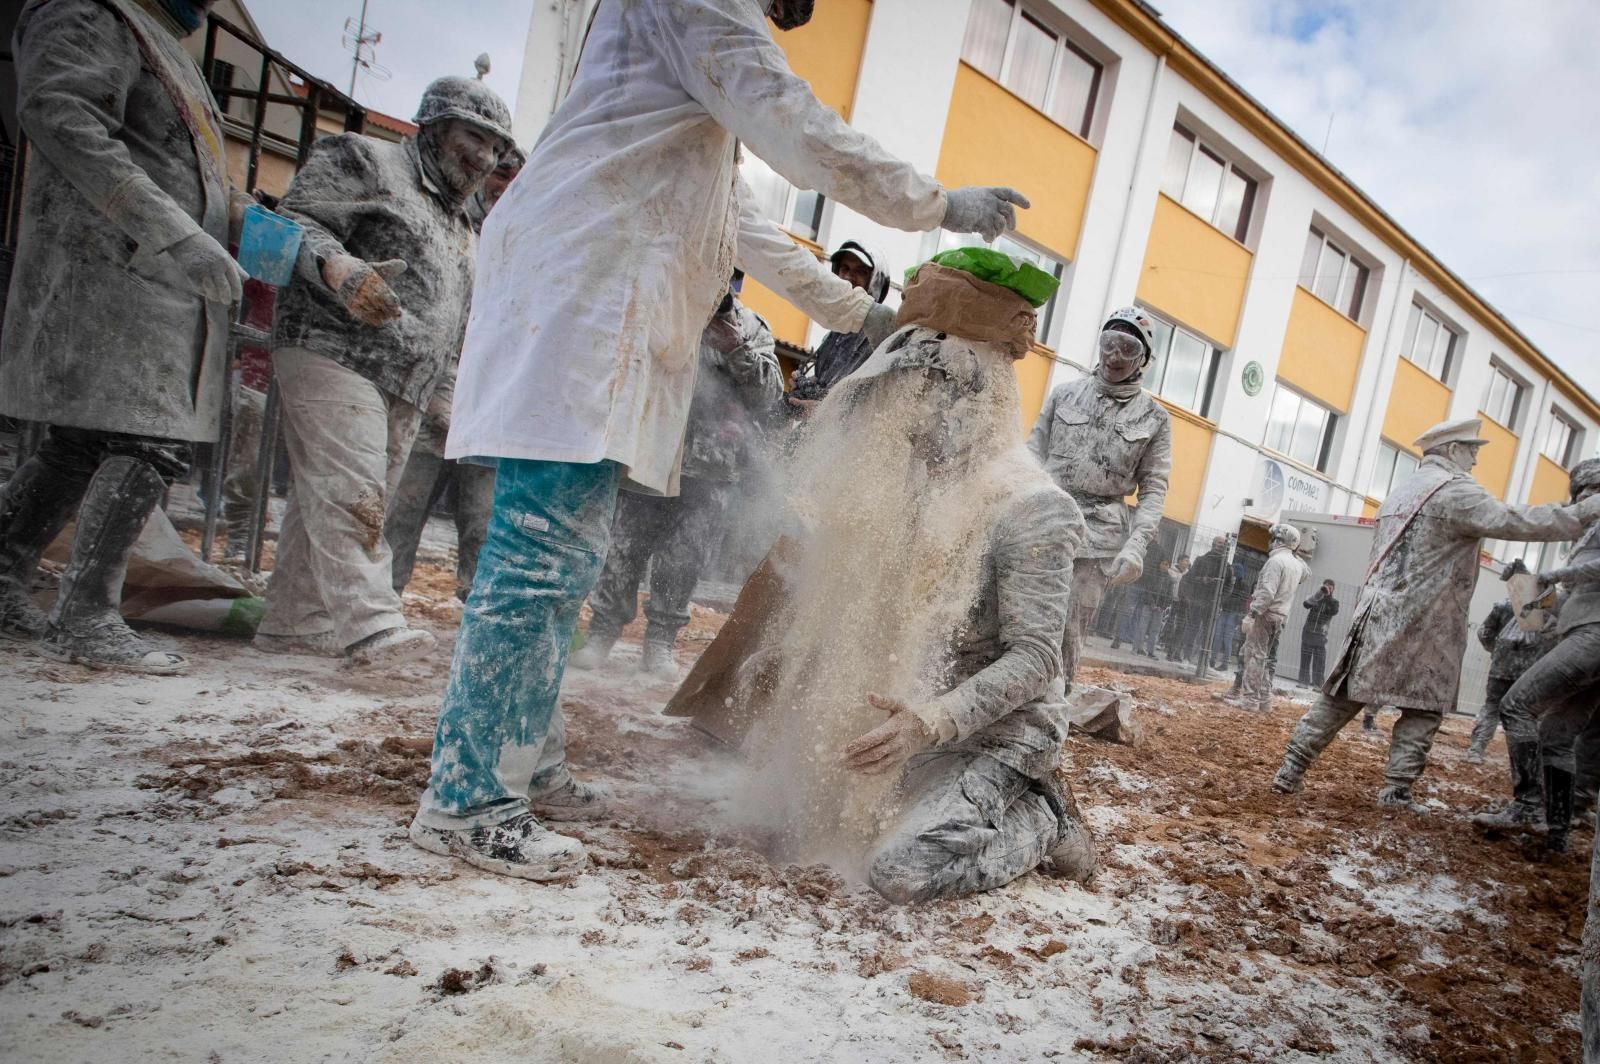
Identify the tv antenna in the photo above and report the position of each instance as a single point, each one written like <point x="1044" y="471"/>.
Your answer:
<point x="362" y="44"/>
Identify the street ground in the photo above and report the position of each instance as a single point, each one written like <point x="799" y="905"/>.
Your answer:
<point x="215" y="867"/>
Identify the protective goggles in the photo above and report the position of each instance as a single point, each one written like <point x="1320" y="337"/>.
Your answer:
<point x="1120" y="346"/>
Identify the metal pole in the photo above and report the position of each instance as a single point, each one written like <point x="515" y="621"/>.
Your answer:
<point x="264" y="461"/>
<point x="355" y="64"/>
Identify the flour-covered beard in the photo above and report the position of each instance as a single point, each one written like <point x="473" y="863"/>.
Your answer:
<point x="444" y="165"/>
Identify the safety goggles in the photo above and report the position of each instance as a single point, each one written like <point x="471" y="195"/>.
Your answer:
<point x="1120" y="346"/>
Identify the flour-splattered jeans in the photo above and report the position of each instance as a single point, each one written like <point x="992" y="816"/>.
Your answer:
<point x="347" y="441"/>
<point x="969" y="824"/>
<point x="501" y="736"/>
<point x="1256" y="686"/>
<point x="1552" y="701"/>
<point x="1409" y="742"/>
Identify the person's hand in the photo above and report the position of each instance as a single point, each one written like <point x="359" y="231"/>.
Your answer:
<point x="1126" y="567"/>
<point x="208" y="270"/>
<point x="723" y="335"/>
<point x="982" y="210"/>
<point x="1588" y="509"/>
<point x="806" y="407"/>
<point x="1247" y="624"/>
<point x="1547" y="580"/>
<point x="878" y="325"/>
<point x="891" y="743"/>
<point x="363" y="287"/>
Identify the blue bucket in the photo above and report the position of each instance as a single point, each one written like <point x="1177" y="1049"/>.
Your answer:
<point x="268" y="245"/>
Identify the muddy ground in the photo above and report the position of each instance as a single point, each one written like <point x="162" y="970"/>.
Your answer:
<point x="214" y="867"/>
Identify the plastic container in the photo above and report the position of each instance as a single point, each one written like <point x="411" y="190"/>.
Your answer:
<point x="269" y="244"/>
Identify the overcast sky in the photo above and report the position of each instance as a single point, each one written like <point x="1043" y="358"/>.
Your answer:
<point x="1475" y="123"/>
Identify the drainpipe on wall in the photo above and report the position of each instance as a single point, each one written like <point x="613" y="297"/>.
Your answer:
<point x="1138" y="168"/>
<point x="1363" y="470"/>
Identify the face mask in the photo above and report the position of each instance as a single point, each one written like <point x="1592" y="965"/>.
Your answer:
<point x="1121" y="355"/>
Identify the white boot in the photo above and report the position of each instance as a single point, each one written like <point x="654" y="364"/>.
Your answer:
<point x="520" y="847"/>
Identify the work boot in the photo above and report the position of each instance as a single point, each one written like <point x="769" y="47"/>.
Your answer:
<point x="1398" y="796"/>
<point x="1291" y="778"/>
<point x="1558" y="793"/>
<point x="520" y="847"/>
<point x="35" y="505"/>
<point x="595" y="650"/>
<point x="1474" y="756"/>
<point x="1512" y="816"/>
<point x="658" y="659"/>
<point x="1527" y="774"/>
<point x="1074" y="853"/>
<point x="570" y="799"/>
<point x="390" y="646"/>
<point x="86" y="626"/>
<point x="238" y="540"/>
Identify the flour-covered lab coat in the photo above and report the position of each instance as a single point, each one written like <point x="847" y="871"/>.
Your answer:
<point x="605" y="259"/>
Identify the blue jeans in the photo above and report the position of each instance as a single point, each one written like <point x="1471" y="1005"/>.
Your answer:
<point x="1227" y="631"/>
<point x="501" y="736"/>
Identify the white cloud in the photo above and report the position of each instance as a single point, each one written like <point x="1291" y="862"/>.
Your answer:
<point x="1472" y="122"/>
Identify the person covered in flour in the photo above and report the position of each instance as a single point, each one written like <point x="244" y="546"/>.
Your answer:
<point x="631" y="217"/>
<point x="980" y="802"/>
<point x="1103" y="438"/>
<point x="1409" y="628"/>
<point x="1265" y="613"/>
<point x="117" y="320"/>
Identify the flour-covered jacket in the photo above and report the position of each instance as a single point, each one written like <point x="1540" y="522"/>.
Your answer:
<point x="100" y="331"/>
<point x="1006" y="697"/>
<point x="733" y="392"/>
<point x="370" y="198"/>
<point x="1278" y="582"/>
<point x="604" y="260"/>
<point x="1099" y="450"/>
<point x="1409" y="628"/>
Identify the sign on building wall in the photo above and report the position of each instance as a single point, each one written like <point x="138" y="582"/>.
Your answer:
<point x="1281" y="488"/>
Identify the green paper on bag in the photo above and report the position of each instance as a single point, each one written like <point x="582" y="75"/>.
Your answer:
<point x="996" y="267"/>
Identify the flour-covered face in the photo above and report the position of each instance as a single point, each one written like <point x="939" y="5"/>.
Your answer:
<point x="467" y="154"/>
<point x="1121" y="355"/>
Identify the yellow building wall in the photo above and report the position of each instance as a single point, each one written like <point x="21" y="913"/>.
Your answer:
<point x="1369" y="507"/>
<point x="1417" y="403"/>
<point x="787" y="321"/>
<point x="1033" y="383"/>
<point x="1550" y="482"/>
<point x="1321" y="352"/>
<point x="1193" y="273"/>
<point x="827" y="50"/>
<point x="1191" y="452"/>
<point x="993" y="138"/>
<point x="1496" y="457"/>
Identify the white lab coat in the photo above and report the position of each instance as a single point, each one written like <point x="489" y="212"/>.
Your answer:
<point x="601" y="265"/>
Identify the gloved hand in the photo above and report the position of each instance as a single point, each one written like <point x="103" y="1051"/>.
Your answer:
<point x="891" y="743"/>
<point x="982" y="210"/>
<point x="1248" y="624"/>
<point x="363" y="287"/>
<point x="1588" y="509"/>
<point x="208" y="269"/>
<point x="879" y="323"/>
<point x="1126" y="567"/>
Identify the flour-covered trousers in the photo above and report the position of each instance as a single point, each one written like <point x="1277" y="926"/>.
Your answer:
<point x="1256" y="686"/>
<point x="969" y="823"/>
<point x="244" y="449"/>
<point x="1552" y="701"/>
<point x="675" y="538"/>
<point x="426" y="478"/>
<point x="1489" y="715"/>
<point x="1089" y="582"/>
<point x="501" y="736"/>
<point x="1409" y="742"/>
<point x="347" y="441"/>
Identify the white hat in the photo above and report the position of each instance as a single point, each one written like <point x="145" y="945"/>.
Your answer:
<point x="1462" y="430"/>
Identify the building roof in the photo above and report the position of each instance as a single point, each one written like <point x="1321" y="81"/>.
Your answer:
<point x="1145" y="24"/>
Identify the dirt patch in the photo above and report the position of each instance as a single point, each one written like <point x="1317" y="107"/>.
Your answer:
<point x="393" y="771"/>
<point x="938" y="989"/>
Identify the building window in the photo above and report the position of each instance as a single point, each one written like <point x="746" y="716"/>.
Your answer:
<point x="222" y="78"/>
<point x="1504" y="403"/>
<point x="1035" y="62"/>
<point x="1300" y="428"/>
<point x="797" y="210"/>
<point x="1429" y="342"/>
<point x="1183" y="368"/>
<point x="1394" y="465"/>
<point x="1560" y="440"/>
<point x="1198" y="177"/>
<point x="1334" y="275"/>
<point x="1047" y="262"/>
<point x="1538" y="557"/>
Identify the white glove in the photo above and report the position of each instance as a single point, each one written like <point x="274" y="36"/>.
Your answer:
<point x="1126" y="568"/>
<point x="982" y="210"/>
<point x="363" y="287"/>
<point x="879" y="324"/>
<point x="1248" y="624"/>
<point x="208" y="270"/>
<point x="891" y="743"/>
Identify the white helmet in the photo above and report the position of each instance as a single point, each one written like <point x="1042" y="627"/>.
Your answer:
<point x="1143" y="327"/>
<point x="1284" y="535"/>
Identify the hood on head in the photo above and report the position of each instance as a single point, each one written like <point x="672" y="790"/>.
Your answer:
<point x="878" y="287"/>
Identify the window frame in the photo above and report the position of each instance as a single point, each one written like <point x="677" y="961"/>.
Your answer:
<point x="1161" y="363"/>
<point x="1325" y="433"/>
<point x="948" y="241"/>
<point x="1199" y="146"/>
<point x="1385" y="449"/>
<point x="1061" y="43"/>
<point x="792" y="198"/>
<point x="1354" y="271"/>
<point x="1515" y="387"/>
<point x="1408" y="341"/>
<point x="1573" y="434"/>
